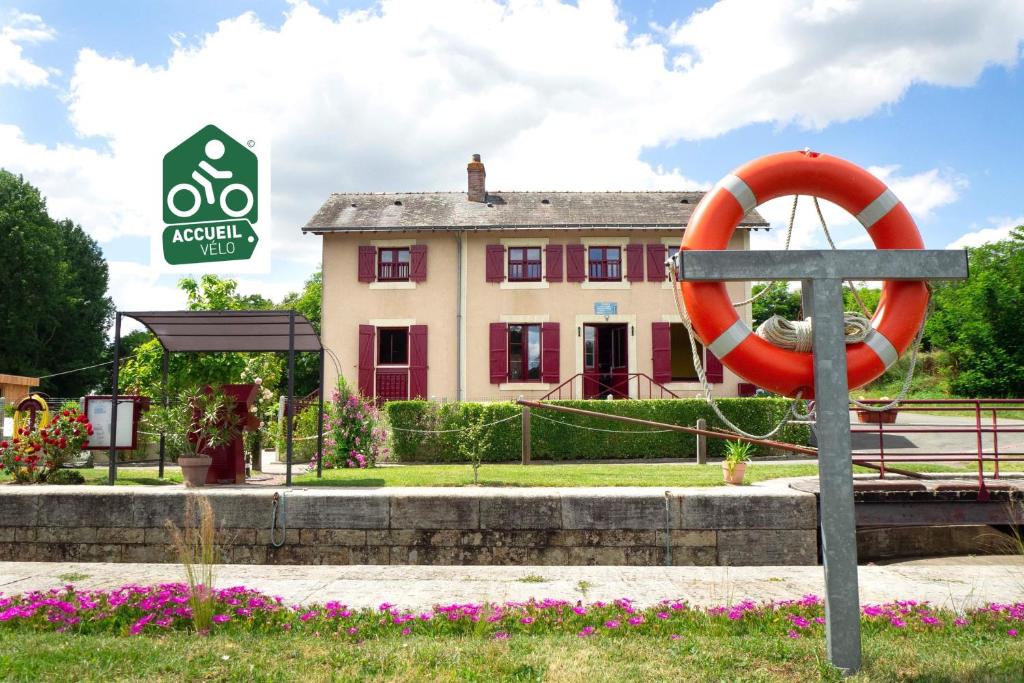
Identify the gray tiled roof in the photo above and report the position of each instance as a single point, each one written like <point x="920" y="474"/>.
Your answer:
<point x="381" y="212"/>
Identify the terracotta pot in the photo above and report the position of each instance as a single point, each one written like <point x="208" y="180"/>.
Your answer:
<point x="738" y="470"/>
<point x="886" y="417"/>
<point x="194" y="470"/>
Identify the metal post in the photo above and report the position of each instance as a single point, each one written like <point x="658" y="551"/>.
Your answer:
<point x="289" y="409"/>
<point x="320" y="423"/>
<point x="835" y="474"/>
<point x="111" y="452"/>
<point x="167" y="402"/>
<point x="702" y="443"/>
<point x="526" y="435"/>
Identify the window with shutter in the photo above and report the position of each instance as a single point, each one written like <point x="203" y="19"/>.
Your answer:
<point x="661" y="348"/>
<point x="635" y="262"/>
<point x="495" y="256"/>
<point x="418" y="270"/>
<point x="550" y="344"/>
<point x="418" y="361"/>
<point x="575" y="269"/>
<point x="499" y="352"/>
<point x="656" y="254"/>
<point x="366" y="356"/>
<point x="367" y="264"/>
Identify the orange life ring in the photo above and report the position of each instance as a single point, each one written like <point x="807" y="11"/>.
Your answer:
<point x="902" y="306"/>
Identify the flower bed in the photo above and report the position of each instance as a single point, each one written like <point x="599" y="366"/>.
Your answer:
<point x="134" y="610"/>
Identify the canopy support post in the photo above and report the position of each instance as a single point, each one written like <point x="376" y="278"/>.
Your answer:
<point x="320" y="423"/>
<point x="290" y="406"/>
<point x="167" y="403"/>
<point x="111" y="451"/>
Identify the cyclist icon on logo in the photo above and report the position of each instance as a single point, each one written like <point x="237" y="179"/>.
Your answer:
<point x="214" y="150"/>
<point x="209" y="176"/>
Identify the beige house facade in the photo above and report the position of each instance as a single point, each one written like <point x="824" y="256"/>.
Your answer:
<point x="484" y="296"/>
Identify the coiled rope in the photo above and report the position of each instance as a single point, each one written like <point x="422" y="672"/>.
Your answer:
<point x="797" y="334"/>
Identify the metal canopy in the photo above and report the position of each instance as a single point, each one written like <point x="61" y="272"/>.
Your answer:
<point x="223" y="331"/>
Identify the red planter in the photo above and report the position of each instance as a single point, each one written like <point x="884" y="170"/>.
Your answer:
<point x="886" y="417"/>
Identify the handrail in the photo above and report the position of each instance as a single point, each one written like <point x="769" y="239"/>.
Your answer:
<point x="556" y="393"/>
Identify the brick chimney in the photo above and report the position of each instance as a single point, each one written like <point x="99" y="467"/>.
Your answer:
<point x="477" y="175"/>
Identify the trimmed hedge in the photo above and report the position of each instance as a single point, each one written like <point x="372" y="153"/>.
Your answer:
<point x="562" y="441"/>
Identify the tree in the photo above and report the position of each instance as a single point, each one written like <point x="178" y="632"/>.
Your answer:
<point x="977" y="321"/>
<point x="54" y="304"/>
<point x="307" y="302"/>
<point x="779" y="301"/>
<point x="868" y="296"/>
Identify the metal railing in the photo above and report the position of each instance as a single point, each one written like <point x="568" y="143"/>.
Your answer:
<point x="620" y="387"/>
<point x="983" y="435"/>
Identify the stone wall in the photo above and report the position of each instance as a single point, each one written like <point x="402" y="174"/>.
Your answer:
<point x="751" y="525"/>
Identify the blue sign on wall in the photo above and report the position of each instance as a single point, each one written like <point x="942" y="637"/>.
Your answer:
<point x="606" y="308"/>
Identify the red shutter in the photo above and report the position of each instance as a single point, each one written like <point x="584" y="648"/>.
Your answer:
<point x="549" y="344"/>
<point x="417" y="361"/>
<point x="554" y="257"/>
<point x="713" y="368"/>
<point x="575" y="270"/>
<point x="499" y="353"/>
<point x="418" y="267"/>
<point x="367" y="264"/>
<point x="661" y="347"/>
<point x="635" y="262"/>
<point x="656" y="262"/>
<point x="495" y="263"/>
<point x="367" y="333"/>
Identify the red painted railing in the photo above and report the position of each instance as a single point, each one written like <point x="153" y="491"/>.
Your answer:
<point x="988" y="421"/>
<point x="644" y="384"/>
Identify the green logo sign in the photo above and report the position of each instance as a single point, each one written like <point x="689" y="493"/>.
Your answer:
<point x="210" y="199"/>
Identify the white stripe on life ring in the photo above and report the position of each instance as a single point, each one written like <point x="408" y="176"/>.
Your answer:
<point x="882" y="347"/>
<point x="730" y="339"/>
<point x="876" y="210"/>
<point x="739" y="189"/>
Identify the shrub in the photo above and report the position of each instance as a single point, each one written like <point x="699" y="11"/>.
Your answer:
<point x="558" y="436"/>
<point x="65" y="477"/>
<point x="354" y="434"/>
<point x="32" y="453"/>
<point x="304" y="427"/>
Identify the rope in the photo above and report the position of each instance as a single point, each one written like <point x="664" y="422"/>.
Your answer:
<point x="789" y="238"/>
<point x="797" y="334"/>
<point x="706" y="387"/>
<point x="598" y="429"/>
<point x="87" y="367"/>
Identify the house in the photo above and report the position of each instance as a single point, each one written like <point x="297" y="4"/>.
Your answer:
<point x="483" y="295"/>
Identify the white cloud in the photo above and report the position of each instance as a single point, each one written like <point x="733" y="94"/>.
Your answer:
<point x="18" y="30"/>
<point x="555" y="96"/>
<point x="922" y="193"/>
<point x="1000" y="231"/>
<point x="821" y="61"/>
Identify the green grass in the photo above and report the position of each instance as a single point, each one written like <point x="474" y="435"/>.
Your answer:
<point x="561" y="475"/>
<point x="940" y="656"/>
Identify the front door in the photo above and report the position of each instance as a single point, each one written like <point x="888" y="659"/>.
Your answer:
<point x="605" y="367"/>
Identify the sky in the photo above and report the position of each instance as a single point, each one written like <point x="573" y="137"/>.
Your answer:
<point x="587" y="95"/>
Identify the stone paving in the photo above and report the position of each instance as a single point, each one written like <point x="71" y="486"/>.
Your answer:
<point x="958" y="582"/>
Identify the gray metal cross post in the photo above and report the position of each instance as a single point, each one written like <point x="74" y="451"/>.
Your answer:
<point x="822" y="274"/>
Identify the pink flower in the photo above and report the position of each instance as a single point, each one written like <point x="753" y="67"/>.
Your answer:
<point x="663" y="615"/>
<point x="587" y="631"/>
<point x="793" y="634"/>
<point x="1012" y="632"/>
<point x="636" y="621"/>
<point x="675" y="636"/>
<point x="611" y="623"/>
<point x="897" y="622"/>
<point x="960" y="621"/>
<point x="501" y="635"/>
<point x="406" y="631"/>
<point x="221" y="618"/>
<point x="352" y="631"/>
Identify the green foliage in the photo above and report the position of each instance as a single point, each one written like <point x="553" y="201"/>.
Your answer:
<point x="354" y="433"/>
<point x="307" y="302"/>
<point x="738" y="451"/>
<point x="55" y="309"/>
<point x="142" y="372"/>
<point x="304" y="427"/>
<point x="977" y="322"/>
<point x="869" y="297"/>
<point x="65" y="477"/>
<point x="558" y="436"/>
<point x="195" y="421"/>
<point x="779" y="301"/>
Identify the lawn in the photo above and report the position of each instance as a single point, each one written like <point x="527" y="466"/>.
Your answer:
<point x="940" y="656"/>
<point x="561" y="475"/>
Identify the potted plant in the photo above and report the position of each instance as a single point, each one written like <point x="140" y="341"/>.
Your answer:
<point x="877" y="416"/>
<point x="197" y="421"/>
<point x="734" y="467"/>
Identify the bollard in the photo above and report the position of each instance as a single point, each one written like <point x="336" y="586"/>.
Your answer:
<point x="526" y="435"/>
